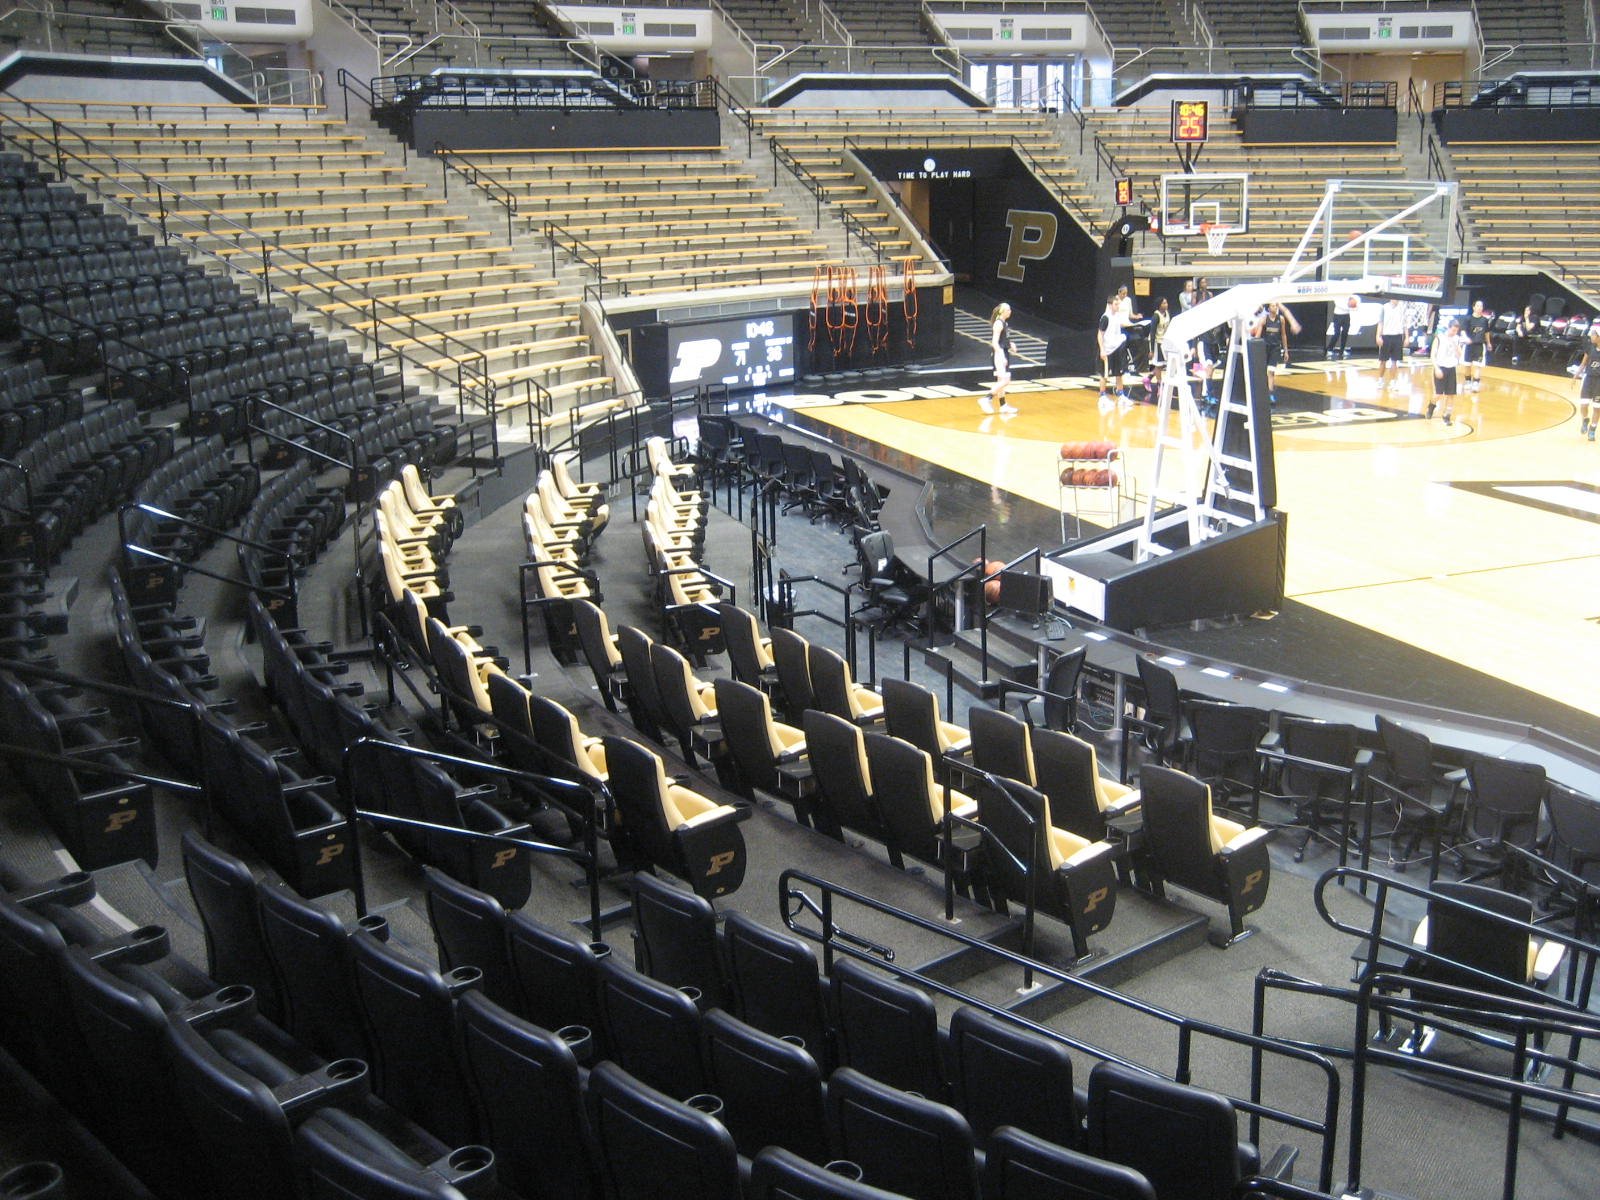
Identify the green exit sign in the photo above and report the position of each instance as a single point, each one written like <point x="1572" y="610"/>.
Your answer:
<point x="1005" y="35"/>
<point x="1384" y="31"/>
<point x="219" y="13"/>
<point x="627" y="31"/>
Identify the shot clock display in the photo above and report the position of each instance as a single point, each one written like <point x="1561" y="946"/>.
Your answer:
<point x="1190" y="122"/>
<point x="745" y="352"/>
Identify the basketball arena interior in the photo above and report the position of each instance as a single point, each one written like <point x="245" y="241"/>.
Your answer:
<point x="965" y="600"/>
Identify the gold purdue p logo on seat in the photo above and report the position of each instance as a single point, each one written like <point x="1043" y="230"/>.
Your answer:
<point x="718" y="861"/>
<point x="115" y="821"/>
<point x="1032" y="236"/>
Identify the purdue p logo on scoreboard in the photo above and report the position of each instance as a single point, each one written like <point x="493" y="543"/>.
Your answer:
<point x="1031" y="236"/>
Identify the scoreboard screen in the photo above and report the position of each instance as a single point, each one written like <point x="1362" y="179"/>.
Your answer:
<point x="1190" y="121"/>
<point x="745" y="353"/>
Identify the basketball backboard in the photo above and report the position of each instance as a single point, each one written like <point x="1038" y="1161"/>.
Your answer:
<point x="1393" y="229"/>
<point x="1192" y="199"/>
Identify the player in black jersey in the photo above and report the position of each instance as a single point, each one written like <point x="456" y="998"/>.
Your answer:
<point x="1272" y="325"/>
<point x="1476" y="327"/>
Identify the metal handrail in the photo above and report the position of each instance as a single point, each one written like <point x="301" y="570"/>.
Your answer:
<point x="554" y="231"/>
<point x="289" y="591"/>
<point x="835" y="940"/>
<point x="1376" y="940"/>
<point x="451" y="160"/>
<point x="1049" y="179"/>
<point x="588" y="857"/>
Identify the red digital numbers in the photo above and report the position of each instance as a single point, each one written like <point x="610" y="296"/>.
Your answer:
<point x="1190" y="121"/>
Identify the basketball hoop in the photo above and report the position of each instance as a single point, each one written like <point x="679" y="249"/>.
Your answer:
<point x="1216" y="236"/>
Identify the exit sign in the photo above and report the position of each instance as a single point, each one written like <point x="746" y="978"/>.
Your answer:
<point x="219" y="12"/>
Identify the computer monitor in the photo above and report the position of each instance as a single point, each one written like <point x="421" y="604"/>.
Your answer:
<point x="1025" y="593"/>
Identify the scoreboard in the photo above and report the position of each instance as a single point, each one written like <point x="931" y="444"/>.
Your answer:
<point x="1191" y="120"/>
<point x="746" y="353"/>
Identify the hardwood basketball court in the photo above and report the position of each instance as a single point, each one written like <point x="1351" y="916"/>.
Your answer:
<point x="1478" y="542"/>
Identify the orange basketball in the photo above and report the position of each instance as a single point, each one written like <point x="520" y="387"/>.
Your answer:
<point x="991" y="590"/>
<point x="1069" y="449"/>
<point x="1066" y="477"/>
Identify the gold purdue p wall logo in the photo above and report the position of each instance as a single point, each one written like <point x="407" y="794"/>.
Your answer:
<point x="1031" y="236"/>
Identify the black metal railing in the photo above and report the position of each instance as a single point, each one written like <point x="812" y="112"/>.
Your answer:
<point x="132" y="550"/>
<point x="835" y="940"/>
<point x="550" y="786"/>
<point x="477" y="178"/>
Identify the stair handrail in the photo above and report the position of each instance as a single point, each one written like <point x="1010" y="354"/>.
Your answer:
<point x="452" y="160"/>
<point x="288" y="592"/>
<point x="793" y="900"/>
<point x="588" y="858"/>
<point x="368" y="33"/>
<point x="828" y="22"/>
<point x="1046" y="176"/>
<point x="562" y="238"/>
<point x="1199" y="27"/>
<point x="981" y="532"/>
<point x="463" y="360"/>
<point x="936" y="28"/>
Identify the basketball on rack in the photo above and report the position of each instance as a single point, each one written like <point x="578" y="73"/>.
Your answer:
<point x="991" y="590"/>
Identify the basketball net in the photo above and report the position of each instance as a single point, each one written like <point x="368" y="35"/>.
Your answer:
<point x="1216" y="236"/>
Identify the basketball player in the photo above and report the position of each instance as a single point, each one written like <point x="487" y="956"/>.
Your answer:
<point x="1479" y="346"/>
<point x="1161" y="318"/>
<point x="1339" y="335"/>
<point x="1109" y="336"/>
<point x="1000" y="343"/>
<point x="1448" y="350"/>
<point x="1589" y="370"/>
<point x="1272" y="326"/>
<point x="1391" y="339"/>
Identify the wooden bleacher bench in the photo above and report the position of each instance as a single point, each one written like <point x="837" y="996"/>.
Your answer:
<point x="214" y="161"/>
<point x="688" y="256"/>
<point x="409" y="223"/>
<point x="668" y="227"/>
<point x="421" y="299"/>
<point x="436" y="315"/>
<point x="516" y="350"/>
<point x="378" y="170"/>
<point x="463" y="332"/>
<point x="450" y="273"/>
<point x="429" y="207"/>
<point x="667" y="212"/>
<point x="176" y="106"/>
<point x="533" y="370"/>
<point x="394" y="240"/>
<point x="289" y="192"/>
<point x="683" y="239"/>
<point x="420" y="257"/>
